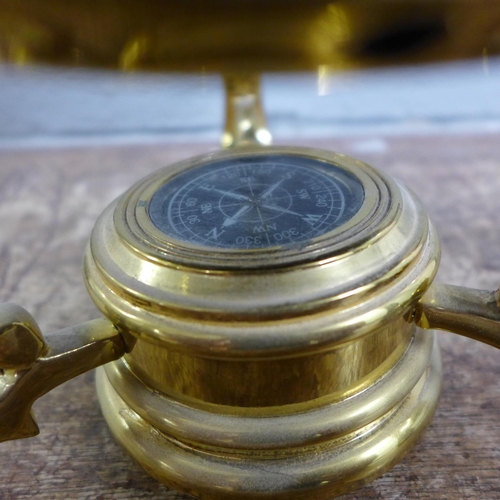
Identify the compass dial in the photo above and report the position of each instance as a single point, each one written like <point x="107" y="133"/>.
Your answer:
<point x="256" y="202"/>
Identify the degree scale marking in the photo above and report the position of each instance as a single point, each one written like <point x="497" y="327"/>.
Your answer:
<point x="245" y="208"/>
<point x="256" y="204"/>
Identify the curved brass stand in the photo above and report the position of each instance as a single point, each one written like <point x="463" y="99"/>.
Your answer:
<point x="245" y="119"/>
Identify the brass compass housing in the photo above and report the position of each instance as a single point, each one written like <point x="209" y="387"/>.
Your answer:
<point x="278" y="372"/>
<point x="238" y="366"/>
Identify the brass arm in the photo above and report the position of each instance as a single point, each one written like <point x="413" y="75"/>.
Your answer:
<point x="468" y="312"/>
<point x="31" y="366"/>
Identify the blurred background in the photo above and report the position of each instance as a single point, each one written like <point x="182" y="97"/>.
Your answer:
<point x="51" y="107"/>
<point x="331" y="68"/>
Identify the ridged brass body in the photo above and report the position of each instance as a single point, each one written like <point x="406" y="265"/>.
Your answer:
<point x="299" y="364"/>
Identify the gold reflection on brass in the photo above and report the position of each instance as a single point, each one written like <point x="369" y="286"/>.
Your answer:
<point x="323" y="80"/>
<point x="468" y="312"/>
<point x="133" y="53"/>
<point x="312" y="468"/>
<point x="273" y="382"/>
<point x="31" y="366"/>
<point x="245" y="120"/>
<point x="243" y="36"/>
<point x="330" y="32"/>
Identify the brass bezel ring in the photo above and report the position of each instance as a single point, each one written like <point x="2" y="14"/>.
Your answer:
<point x="379" y="208"/>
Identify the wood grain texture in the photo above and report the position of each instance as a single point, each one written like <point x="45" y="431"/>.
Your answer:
<point x="49" y="201"/>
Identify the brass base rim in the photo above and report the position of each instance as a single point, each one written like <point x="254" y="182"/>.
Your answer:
<point x="319" y="472"/>
<point x="210" y="425"/>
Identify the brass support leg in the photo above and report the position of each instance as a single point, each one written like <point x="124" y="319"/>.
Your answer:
<point x="245" y="120"/>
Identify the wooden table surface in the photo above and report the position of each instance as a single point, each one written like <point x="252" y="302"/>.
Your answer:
<point x="49" y="200"/>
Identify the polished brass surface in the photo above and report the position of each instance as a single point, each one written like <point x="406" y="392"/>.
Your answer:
<point x="323" y="345"/>
<point x="468" y="312"/>
<point x="219" y="426"/>
<point x="224" y="35"/>
<point x="31" y="366"/>
<point x="267" y="384"/>
<point x="313" y="455"/>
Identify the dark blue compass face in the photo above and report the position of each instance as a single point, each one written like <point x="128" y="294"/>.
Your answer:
<point x="261" y="201"/>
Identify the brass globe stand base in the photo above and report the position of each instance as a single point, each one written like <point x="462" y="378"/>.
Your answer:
<point x="316" y="454"/>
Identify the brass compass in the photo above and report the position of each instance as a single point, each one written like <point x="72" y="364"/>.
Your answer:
<point x="261" y="308"/>
<point x="266" y="315"/>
